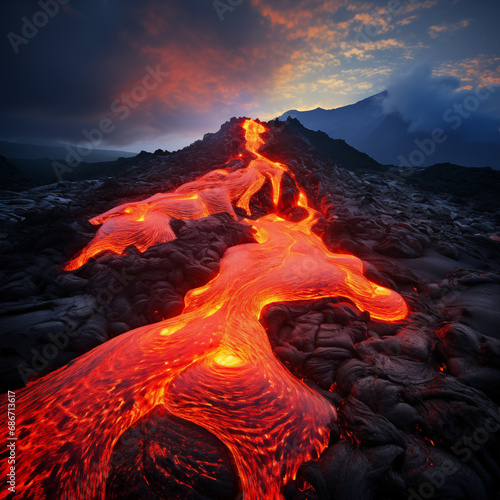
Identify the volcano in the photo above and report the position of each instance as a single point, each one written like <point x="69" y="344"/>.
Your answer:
<point x="250" y="320"/>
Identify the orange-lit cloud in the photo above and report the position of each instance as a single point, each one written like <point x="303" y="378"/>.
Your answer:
<point x="481" y="70"/>
<point x="435" y="31"/>
<point x="295" y="56"/>
<point x="415" y="5"/>
<point x="263" y="58"/>
<point x="299" y="47"/>
<point x="407" y="20"/>
<point x="363" y="51"/>
<point x="204" y="70"/>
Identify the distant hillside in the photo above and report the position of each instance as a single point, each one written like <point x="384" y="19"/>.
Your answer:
<point x="12" y="178"/>
<point x="336" y="149"/>
<point x="19" y="175"/>
<point x="33" y="152"/>
<point x="385" y="137"/>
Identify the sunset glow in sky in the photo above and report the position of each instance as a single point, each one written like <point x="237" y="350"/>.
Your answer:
<point x="166" y="72"/>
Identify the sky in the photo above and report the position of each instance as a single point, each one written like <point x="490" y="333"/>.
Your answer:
<point x="148" y="74"/>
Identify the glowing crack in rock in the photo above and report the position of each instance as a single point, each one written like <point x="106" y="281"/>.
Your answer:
<point x="213" y="364"/>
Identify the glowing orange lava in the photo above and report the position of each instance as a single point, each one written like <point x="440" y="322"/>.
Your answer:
<point x="146" y="223"/>
<point x="212" y="365"/>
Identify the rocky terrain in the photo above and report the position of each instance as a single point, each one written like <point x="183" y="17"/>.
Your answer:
<point x="417" y="400"/>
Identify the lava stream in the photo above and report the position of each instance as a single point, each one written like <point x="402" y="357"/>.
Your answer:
<point x="213" y="364"/>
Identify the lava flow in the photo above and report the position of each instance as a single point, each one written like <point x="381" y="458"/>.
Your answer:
<point x="147" y="223"/>
<point x="213" y="364"/>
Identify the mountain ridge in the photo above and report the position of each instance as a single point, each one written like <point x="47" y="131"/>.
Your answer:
<point x="386" y="136"/>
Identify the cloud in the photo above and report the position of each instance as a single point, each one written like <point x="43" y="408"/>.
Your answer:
<point x="265" y="57"/>
<point x="310" y="21"/>
<point x="479" y="70"/>
<point x="364" y="50"/>
<point x="415" y="5"/>
<point x="427" y="101"/>
<point x="407" y="20"/>
<point x="436" y="31"/>
<point x="215" y="70"/>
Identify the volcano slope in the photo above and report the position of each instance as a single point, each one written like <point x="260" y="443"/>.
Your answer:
<point x="391" y="404"/>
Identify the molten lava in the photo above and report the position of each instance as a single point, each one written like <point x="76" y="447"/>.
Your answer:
<point x="213" y="364"/>
<point x="146" y="223"/>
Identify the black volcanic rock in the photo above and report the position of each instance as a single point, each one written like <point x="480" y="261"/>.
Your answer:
<point x="162" y="152"/>
<point x="478" y="185"/>
<point x="142" y="467"/>
<point x="335" y="149"/>
<point x="408" y="393"/>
